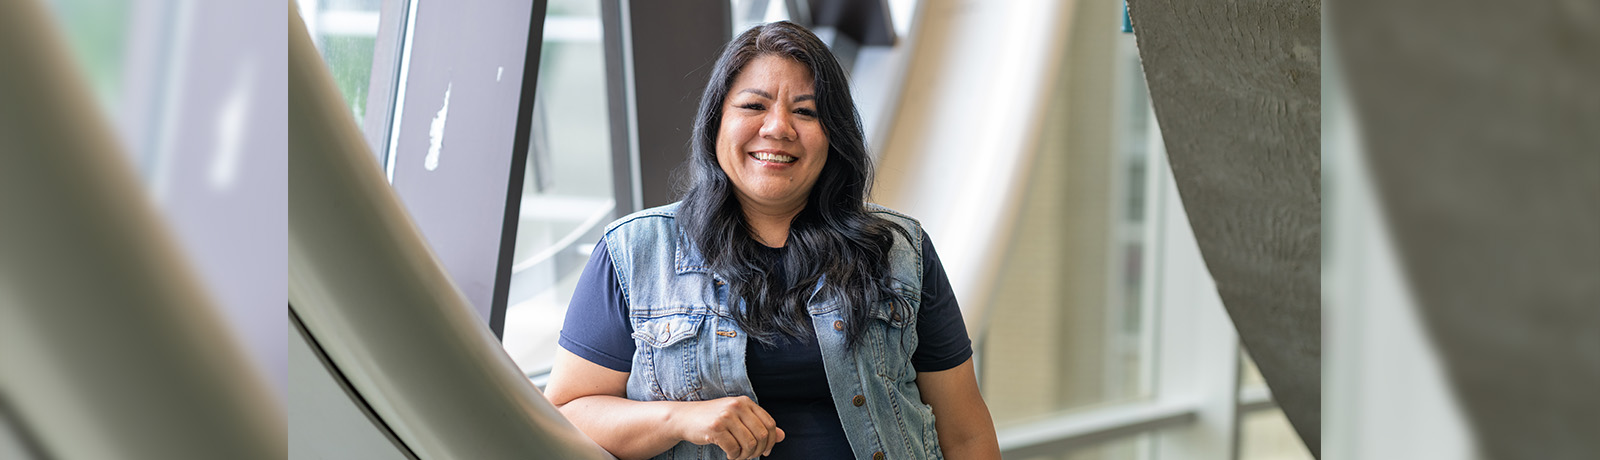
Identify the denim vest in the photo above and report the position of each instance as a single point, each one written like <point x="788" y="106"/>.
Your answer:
<point x="689" y="348"/>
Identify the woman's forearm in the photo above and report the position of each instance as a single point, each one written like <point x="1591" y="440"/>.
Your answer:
<point x="626" y="428"/>
<point x="966" y="430"/>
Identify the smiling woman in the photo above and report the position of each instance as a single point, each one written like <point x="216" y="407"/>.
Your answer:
<point x="773" y="312"/>
<point x="771" y="143"/>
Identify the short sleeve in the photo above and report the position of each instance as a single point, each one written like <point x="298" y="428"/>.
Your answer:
<point x="596" y="327"/>
<point x="942" y="341"/>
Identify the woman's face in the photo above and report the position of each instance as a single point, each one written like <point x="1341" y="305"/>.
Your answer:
<point x="771" y="143"/>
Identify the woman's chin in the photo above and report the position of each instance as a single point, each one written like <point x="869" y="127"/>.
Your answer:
<point x="774" y="198"/>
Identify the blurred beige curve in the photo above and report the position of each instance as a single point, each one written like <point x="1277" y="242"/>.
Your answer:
<point x="994" y="67"/>
<point x="372" y="294"/>
<point x="109" y="344"/>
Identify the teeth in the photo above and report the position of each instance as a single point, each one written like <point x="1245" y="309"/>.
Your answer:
<point x="773" y="157"/>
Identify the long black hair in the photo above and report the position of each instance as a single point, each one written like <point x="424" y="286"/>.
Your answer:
<point x="833" y="239"/>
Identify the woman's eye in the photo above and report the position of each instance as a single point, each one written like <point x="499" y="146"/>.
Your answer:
<point x="753" y="106"/>
<point x="807" y="112"/>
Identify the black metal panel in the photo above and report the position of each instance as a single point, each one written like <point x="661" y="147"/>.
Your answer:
<point x="519" y="155"/>
<point x="660" y="64"/>
<point x="624" y="179"/>
<point x="462" y="143"/>
<point x="865" y="22"/>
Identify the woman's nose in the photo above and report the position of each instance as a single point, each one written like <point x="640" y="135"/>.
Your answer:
<point x="778" y="124"/>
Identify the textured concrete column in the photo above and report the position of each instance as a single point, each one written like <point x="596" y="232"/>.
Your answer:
<point x="1237" y="91"/>
<point x="1482" y="126"/>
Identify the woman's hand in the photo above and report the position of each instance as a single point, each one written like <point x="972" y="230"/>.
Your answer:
<point x="594" y="399"/>
<point x="736" y="424"/>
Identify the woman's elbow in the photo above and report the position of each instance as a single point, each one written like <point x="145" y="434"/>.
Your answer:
<point x="969" y="441"/>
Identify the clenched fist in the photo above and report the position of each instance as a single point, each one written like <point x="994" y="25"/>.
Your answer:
<point x="736" y="424"/>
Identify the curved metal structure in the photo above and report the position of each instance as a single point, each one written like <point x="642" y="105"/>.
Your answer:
<point x="373" y="296"/>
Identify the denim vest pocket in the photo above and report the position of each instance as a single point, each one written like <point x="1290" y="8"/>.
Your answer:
<point x="669" y="352"/>
<point x="890" y="337"/>
<point x="897" y="310"/>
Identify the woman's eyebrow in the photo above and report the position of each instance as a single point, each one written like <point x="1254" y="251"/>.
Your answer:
<point x="764" y="94"/>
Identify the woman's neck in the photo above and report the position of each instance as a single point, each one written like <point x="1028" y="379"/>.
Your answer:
<point x="770" y="225"/>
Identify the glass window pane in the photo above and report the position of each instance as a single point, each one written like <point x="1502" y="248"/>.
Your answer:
<point x="1267" y="435"/>
<point x="567" y="196"/>
<point x="97" y="31"/>
<point x="1249" y="375"/>
<point x="118" y="58"/>
<point x="748" y="13"/>
<point x="346" y="33"/>
<point x="1069" y="326"/>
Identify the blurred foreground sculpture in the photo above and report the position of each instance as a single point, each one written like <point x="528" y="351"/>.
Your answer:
<point x="1481" y="123"/>
<point x="109" y="346"/>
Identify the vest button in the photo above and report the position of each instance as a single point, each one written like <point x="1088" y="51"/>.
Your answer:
<point x="838" y="325"/>
<point x="859" y="400"/>
<point x="877" y="455"/>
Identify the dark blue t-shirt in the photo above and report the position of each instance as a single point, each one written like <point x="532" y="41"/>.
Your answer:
<point x="789" y="379"/>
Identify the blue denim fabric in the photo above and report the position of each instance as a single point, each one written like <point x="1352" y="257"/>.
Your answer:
<point x="689" y="348"/>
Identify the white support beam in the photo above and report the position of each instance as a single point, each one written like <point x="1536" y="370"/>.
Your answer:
<point x="1054" y="435"/>
<point x="1255" y="398"/>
